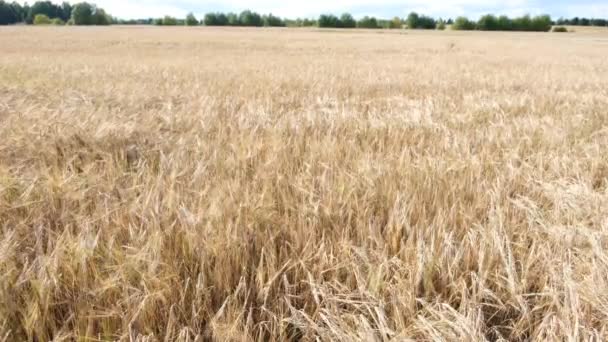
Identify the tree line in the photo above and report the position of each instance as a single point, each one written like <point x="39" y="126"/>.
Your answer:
<point x="89" y="14"/>
<point x="541" y="23"/>
<point x="12" y="13"/>
<point x="490" y="22"/>
<point x="245" y="18"/>
<point x="576" y="21"/>
<point x="346" y="20"/>
<point x="46" y="12"/>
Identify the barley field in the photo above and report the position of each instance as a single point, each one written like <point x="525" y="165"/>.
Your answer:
<point x="199" y="184"/>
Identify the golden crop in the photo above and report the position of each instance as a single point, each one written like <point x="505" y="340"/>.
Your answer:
<point x="201" y="184"/>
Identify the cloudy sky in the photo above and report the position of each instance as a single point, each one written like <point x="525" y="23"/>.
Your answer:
<point x="380" y="8"/>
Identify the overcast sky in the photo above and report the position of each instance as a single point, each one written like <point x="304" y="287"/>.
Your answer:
<point x="381" y="8"/>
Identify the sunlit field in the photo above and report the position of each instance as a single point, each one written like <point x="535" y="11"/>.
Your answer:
<point x="200" y="184"/>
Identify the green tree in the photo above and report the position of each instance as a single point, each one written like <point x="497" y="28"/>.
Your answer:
<point x="368" y="22"/>
<point x="57" y="21"/>
<point x="504" y="23"/>
<point x="249" y="18"/>
<point x="412" y="20"/>
<point x="66" y="11"/>
<point x="308" y="22"/>
<point x="232" y="19"/>
<point x="191" y="20"/>
<point x="427" y="23"/>
<point x="271" y="20"/>
<point x="347" y="21"/>
<point x="416" y="21"/>
<point x="541" y="23"/>
<point x="396" y="23"/>
<point x="11" y="13"/>
<point x="26" y="11"/>
<point x="169" y="21"/>
<point x="43" y="7"/>
<point x="522" y="23"/>
<point x="463" y="24"/>
<point x="100" y="17"/>
<point x="222" y="19"/>
<point x="488" y="22"/>
<point x="216" y="19"/>
<point x="328" y="20"/>
<point x="19" y="12"/>
<point x="440" y="25"/>
<point x="210" y="19"/>
<point x="82" y="14"/>
<point x="6" y="14"/>
<point x="42" y="19"/>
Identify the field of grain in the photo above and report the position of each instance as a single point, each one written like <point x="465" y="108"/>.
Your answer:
<point x="196" y="184"/>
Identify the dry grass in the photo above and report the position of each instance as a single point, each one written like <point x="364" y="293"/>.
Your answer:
<point x="204" y="184"/>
